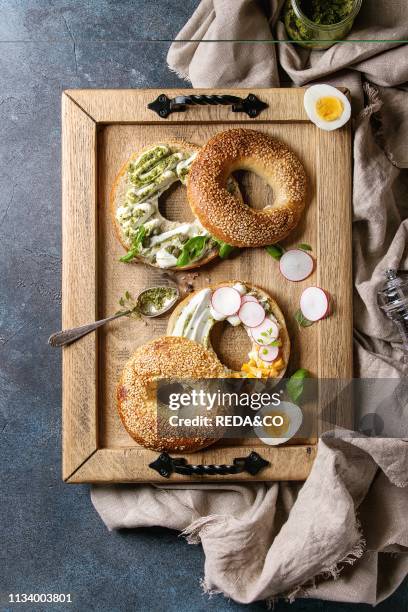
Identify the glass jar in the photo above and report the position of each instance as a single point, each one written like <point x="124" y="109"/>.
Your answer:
<point x="311" y="34"/>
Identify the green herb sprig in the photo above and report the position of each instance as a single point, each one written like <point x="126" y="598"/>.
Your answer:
<point x="192" y="250"/>
<point x="129" y="306"/>
<point x="224" y="249"/>
<point x="137" y="244"/>
<point x="275" y="250"/>
<point x="301" y="319"/>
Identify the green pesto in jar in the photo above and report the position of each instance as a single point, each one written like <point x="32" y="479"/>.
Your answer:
<point x="320" y="13"/>
<point x="153" y="301"/>
<point x="326" y="12"/>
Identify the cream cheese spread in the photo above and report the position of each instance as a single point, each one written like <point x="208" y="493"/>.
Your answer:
<point x="148" y="177"/>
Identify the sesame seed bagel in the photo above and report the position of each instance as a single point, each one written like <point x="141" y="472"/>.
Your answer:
<point x="164" y="357"/>
<point x="230" y="220"/>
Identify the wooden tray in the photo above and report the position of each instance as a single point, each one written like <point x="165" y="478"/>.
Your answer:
<point x="101" y="128"/>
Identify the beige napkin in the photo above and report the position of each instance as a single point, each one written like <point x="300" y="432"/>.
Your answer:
<point x="343" y="535"/>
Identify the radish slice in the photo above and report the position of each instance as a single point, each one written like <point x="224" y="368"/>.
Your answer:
<point x="248" y="298"/>
<point x="265" y="333"/>
<point x="314" y="303"/>
<point x="296" y="265"/>
<point x="226" y="301"/>
<point x="268" y="353"/>
<point x="251" y="314"/>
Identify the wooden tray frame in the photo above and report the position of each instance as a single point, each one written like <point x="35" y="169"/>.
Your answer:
<point x="83" y="111"/>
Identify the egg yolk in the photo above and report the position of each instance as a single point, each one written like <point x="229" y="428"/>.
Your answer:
<point x="329" y="108"/>
<point x="277" y="431"/>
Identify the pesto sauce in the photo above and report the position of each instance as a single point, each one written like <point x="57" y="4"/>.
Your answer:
<point x="326" y="12"/>
<point x="320" y="12"/>
<point x="156" y="299"/>
<point x="148" y="177"/>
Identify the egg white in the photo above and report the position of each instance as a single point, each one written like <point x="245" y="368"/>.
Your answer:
<point x="295" y="417"/>
<point x="313" y="94"/>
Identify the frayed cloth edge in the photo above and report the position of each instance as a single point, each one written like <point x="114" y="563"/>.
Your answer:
<point x="374" y="106"/>
<point x="181" y="75"/>
<point x="374" y="101"/>
<point x="332" y="571"/>
<point x="192" y="535"/>
<point x="401" y="484"/>
<point x="192" y="532"/>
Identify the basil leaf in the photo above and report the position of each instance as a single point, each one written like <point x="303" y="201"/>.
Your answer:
<point x="294" y="386"/>
<point x="301" y="319"/>
<point x="192" y="250"/>
<point x="136" y="245"/>
<point x="225" y="250"/>
<point x="305" y="247"/>
<point x="275" y="251"/>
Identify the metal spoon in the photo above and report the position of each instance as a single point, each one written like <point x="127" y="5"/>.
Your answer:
<point x="67" y="336"/>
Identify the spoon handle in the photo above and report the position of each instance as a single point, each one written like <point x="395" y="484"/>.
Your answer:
<point x="66" y="336"/>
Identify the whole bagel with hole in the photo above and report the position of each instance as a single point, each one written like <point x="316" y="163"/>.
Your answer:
<point x="231" y="220"/>
<point x="141" y="415"/>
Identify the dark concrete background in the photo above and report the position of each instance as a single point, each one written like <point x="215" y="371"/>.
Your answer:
<point x="52" y="540"/>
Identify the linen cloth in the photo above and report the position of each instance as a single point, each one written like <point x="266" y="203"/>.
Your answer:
<point x="343" y="534"/>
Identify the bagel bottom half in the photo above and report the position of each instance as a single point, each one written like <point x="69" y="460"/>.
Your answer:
<point x="141" y="415"/>
<point x="274" y="310"/>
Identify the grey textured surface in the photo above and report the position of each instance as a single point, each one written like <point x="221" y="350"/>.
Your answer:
<point x="52" y="540"/>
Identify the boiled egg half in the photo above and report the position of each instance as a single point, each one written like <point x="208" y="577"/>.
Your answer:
<point x="327" y="107"/>
<point x="283" y="423"/>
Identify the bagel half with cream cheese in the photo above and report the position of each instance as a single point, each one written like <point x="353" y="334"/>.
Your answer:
<point x="139" y="410"/>
<point x="231" y="220"/>
<point x="134" y="205"/>
<point x="195" y="316"/>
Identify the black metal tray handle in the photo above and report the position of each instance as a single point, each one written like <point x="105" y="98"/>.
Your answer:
<point x="164" y="106"/>
<point x="166" y="465"/>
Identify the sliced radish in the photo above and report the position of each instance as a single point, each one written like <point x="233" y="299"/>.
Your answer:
<point x="314" y="303"/>
<point x="268" y="353"/>
<point x="251" y="314"/>
<point x="226" y="301"/>
<point x="248" y="298"/>
<point x="296" y="265"/>
<point x="265" y="333"/>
